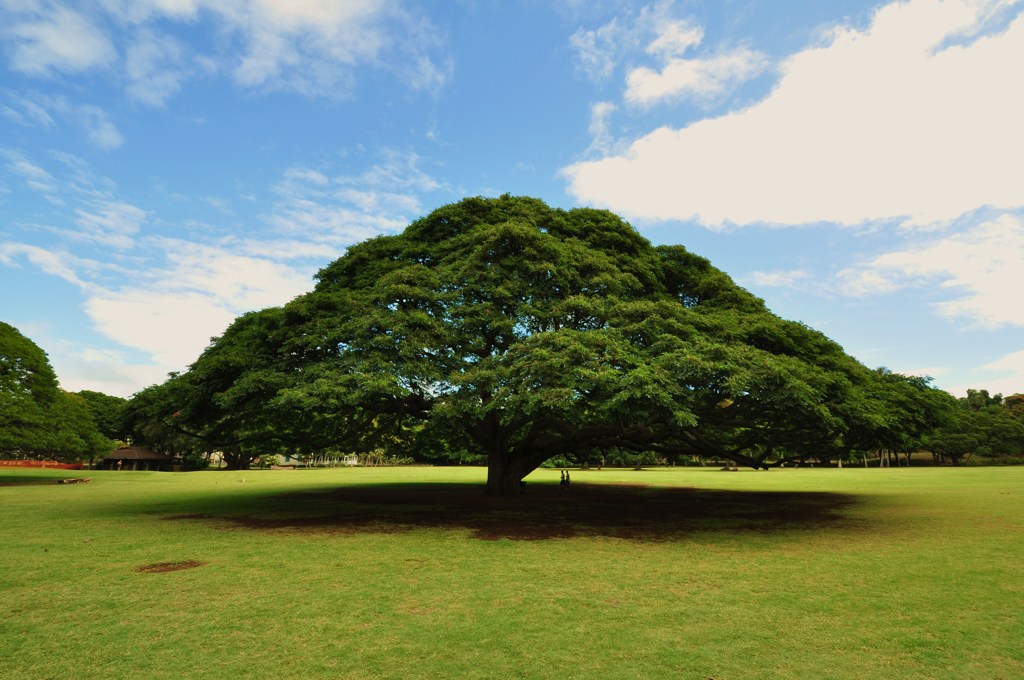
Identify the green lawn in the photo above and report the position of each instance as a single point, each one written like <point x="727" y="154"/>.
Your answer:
<point x="410" y="573"/>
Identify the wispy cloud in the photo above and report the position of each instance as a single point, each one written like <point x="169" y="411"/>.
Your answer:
<point x="60" y="264"/>
<point x="315" y="47"/>
<point x="162" y="299"/>
<point x="24" y="111"/>
<point x="601" y="51"/>
<point x="53" y="38"/>
<point x="1005" y="376"/>
<point x="53" y="111"/>
<point x="110" y="223"/>
<point x="155" y="66"/>
<point x="597" y="50"/>
<point x="99" y="129"/>
<point x="779" y="279"/>
<point x="980" y="268"/>
<point x="701" y="79"/>
<point x="344" y="208"/>
<point x="602" y="139"/>
<point x="172" y="309"/>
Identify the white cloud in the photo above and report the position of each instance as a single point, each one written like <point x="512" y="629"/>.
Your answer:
<point x="310" y="175"/>
<point x="34" y="176"/>
<point x="165" y="298"/>
<point x="1013" y="363"/>
<point x="26" y="112"/>
<point x="173" y="307"/>
<point x="656" y="29"/>
<point x="316" y="219"/>
<point x="915" y="118"/>
<point x="240" y="282"/>
<point x="396" y="171"/>
<point x="778" y="279"/>
<point x="981" y="265"/>
<point x="102" y="370"/>
<point x="702" y="79"/>
<point x="675" y="38"/>
<point x="168" y="311"/>
<point x="172" y="327"/>
<point x="62" y="265"/>
<point x="141" y="11"/>
<point x="99" y="129"/>
<point x="58" y="40"/>
<point x="314" y="46"/>
<point x="284" y="250"/>
<point x="602" y="141"/>
<point x="154" y="66"/>
<point x="698" y="78"/>
<point x="597" y="50"/>
<point x="344" y="209"/>
<point x="1003" y="376"/>
<point x="110" y="223"/>
<point x="172" y="312"/>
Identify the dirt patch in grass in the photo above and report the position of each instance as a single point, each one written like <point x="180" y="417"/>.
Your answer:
<point x="548" y="512"/>
<point x="163" y="567"/>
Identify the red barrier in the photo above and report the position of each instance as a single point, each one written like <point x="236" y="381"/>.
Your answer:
<point x="42" y="464"/>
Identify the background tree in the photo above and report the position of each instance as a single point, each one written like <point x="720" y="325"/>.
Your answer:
<point x="1015" y="405"/>
<point x="28" y="390"/>
<point x="983" y="425"/>
<point x="227" y="397"/>
<point x="37" y="418"/>
<point x="107" y="413"/>
<point x="74" y="434"/>
<point x="226" y="401"/>
<point x="894" y="413"/>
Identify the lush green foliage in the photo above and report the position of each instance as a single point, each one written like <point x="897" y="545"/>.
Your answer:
<point x="37" y="418"/>
<point x="507" y="329"/>
<point x="916" y="575"/>
<point x="985" y="426"/>
<point x="107" y="413"/>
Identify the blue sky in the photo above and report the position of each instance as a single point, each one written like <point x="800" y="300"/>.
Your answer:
<point x="166" y="165"/>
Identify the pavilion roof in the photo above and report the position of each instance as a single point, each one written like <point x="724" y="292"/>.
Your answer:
<point x="136" y="453"/>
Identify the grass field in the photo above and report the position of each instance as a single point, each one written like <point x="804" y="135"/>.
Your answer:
<point x="411" y="573"/>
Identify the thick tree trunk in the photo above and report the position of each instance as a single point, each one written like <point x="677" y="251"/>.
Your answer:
<point x="505" y="475"/>
<point x="236" y="461"/>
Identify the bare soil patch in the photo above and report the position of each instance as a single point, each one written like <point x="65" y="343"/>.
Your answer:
<point x="547" y="512"/>
<point x="163" y="567"/>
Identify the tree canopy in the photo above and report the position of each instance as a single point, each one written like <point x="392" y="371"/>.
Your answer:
<point x="522" y="332"/>
<point x="37" y="418"/>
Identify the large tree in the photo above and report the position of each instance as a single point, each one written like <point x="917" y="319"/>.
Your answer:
<point x="521" y="332"/>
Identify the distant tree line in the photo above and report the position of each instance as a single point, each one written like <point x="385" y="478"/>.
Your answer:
<point x="983" y="428"/>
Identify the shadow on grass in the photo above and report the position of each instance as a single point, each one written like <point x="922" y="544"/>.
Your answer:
<point x="32" y="479"/>
<point x="546" y="512"/>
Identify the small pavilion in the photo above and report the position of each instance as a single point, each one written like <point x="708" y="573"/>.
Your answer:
<point x="137" y="458"/>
